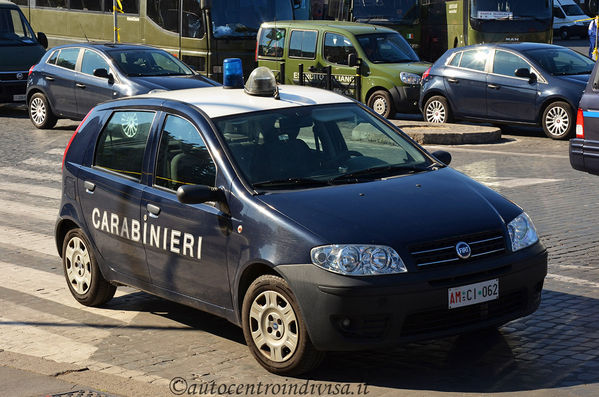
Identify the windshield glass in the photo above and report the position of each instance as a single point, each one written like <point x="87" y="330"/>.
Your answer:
<point x="315" y="146"/>
<point x="401" y="11"/>
<point x="573" y="9"/>
<point x="386" y="48"/>
<point x="148" y="62"/>
<point x="511" y="9"/>
<point x="560" y="61"/>
<point x="14" y="27"/>
<point x="242" y="18"/>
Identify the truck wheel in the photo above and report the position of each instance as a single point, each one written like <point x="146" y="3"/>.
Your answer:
<point x="558" y="122"/>
<point x="380" y="101"/>
<point x="436" y="110"/>
<point x="274" y="329"/>
<point x="86" y="283"/>
<point x="40" y="113"/>
<point x="563" y="34"/>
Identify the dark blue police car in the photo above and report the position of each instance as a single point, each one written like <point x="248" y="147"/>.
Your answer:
<point x="294" y="212"/>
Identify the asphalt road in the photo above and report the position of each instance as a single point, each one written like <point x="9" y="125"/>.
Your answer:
<point x="138" y="343"/>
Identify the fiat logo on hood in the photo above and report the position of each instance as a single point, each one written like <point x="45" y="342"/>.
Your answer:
<point x="463" y="250"/>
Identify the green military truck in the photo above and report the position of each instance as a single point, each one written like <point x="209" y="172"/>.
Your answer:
<point x="371" y="63"/>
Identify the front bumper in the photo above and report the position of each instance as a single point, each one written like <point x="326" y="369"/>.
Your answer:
<point x="584" y="155"/>
<point x="385" y="311"/>
<point x="405" y="98"/>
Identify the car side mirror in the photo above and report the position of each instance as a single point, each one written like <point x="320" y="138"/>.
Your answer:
<point x="103" y="73"/>
<point x="522" y="72"/>
<point x="197" y="194"/>
<point x="442" y="156"/>
<point x="42" y="39"/>
<point x="352" y="60"/>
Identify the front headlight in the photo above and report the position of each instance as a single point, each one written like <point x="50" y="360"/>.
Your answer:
<point x="522" y="232"/>
<point x="358" y="260"/>
<point x="409" y="78"/>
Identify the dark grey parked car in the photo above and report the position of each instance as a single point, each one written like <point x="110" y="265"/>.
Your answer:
<point x="525" y="83"/>
<point x="71" y="79"/>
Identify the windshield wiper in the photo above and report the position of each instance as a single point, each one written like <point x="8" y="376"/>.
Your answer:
<point x="295" y="182"/>
<point x="382" y="170"/>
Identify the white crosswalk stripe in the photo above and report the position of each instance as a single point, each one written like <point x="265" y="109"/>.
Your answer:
<point x="27" y="174"/>
<point x="52" y="164"/>
<point x="30" y="211"/>
<point x="35" y="190"/>
<point x="55" y="151"/>
<point x="27" y="240"/>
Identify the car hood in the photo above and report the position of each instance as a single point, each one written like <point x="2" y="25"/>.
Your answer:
<point x="410" y="67"/>
<point x="171" y="82"/>
<point x="19" y="57"/>
<point x="580" y="79"/>
<point x="397" y="211"/>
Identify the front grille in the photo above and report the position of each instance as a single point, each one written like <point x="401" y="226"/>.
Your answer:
<point x="12" y="76"/>
<point x="445" y="319"/>
<point x="443" y="252"/>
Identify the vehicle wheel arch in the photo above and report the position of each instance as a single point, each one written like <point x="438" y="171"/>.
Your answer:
<point x="548" y="101"/>
<point x="374" y="89"/>
<point x="436" y="92"/>
<point x="251" y="272"/>
<point x="62" y="228"/>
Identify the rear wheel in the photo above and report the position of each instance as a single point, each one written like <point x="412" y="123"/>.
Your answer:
<point x="563" y="34"/>
<point x="436" y="110"/>
<point x="274" y="329"/>
<point x="40" y="113"/>
<point x="558" y="120"/>
<point x="380" y="101"/>
<point x="85" y="281"/>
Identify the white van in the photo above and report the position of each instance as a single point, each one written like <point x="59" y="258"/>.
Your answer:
<point x="566" y="13"/>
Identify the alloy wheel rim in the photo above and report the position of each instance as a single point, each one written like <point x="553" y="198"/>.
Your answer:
<point x="435" y="112"/>
<point x="78" y="265"/>
<point x="38" y="111"/>
<point x="557" y="121"/>
<point x="273" y="326"/>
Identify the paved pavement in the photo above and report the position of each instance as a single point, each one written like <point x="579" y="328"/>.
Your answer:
<point x="138" y="343"/>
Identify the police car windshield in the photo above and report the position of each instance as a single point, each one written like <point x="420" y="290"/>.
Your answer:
<point x="314" y="146"/>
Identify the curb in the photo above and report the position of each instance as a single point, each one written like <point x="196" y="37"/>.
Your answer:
<point x="448" y="134"/>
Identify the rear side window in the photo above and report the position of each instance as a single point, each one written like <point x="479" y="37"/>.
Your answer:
<point x="68" y="58"/>
<point x="122" y="143"/>
<point x="337" y="48"/>
<point x="455" y="61"/>
<point x="271" y="42"/>
<point x="474" y="59"/>
<point x="302" y="44"/>
<point x="183" y="158"/>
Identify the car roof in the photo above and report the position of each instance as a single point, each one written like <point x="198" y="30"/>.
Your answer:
<point x="107" y="46"/>
<point x="219" y="101"/>
<point x="523" y="46"/>
<point x="340" y="26"/>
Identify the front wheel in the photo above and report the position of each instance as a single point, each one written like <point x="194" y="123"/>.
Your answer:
<point x="558" y="121"/>
<point x="436" y="110"/>
<point x="85" y="281"/>
<point x="274" y="329"/>
<point x="381" y="102"/>
<point x="40" y="113"/>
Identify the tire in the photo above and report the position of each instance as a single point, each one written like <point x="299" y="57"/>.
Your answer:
<point x="563" y="34"/>
<point x="40" y="113"/>
<point x="380" y="101"/>
<point x="436" y="110"/>
<point x="274" y="329"/>
<point x="558" y="120"/>
<point x="85" y="281"/>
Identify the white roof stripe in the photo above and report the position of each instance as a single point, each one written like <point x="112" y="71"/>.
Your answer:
<point x="218" y="101"/>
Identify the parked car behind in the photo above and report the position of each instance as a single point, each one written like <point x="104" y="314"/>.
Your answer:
<point x="584" y="149"/>
<point x="568" y="20"/>
<point x="71" y="79"/>
<point x="524" y="83"/>
<point x="390" y="71"/>
<point x="19" y="50"/>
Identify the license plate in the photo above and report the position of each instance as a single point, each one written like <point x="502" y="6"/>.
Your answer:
<point x="473" y="293"/>
<point x="19" y="98"/>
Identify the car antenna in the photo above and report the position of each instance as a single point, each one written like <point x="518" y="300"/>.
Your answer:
<point x="82" y="30"/>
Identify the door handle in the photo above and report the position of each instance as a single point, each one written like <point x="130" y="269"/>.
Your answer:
<point x="452" y="80"/>
<point x="89" y="187"/>
<point x="494" y="86"/>
<point x="80" y="85"/>
<point x="49" y="78"/>
<point x="154" y="210"/>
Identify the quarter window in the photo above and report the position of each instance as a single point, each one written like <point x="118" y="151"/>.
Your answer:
<point x="474" y="59"/>
<point x="92" y="61"/>
<point x="506" y="63"/>
<point x="52" y="59"/>
<point x="302" y="44"/>
<point x="68" y="58"/>
<point x="183" y="158"/>
<point x="271" y="42"/>
<point x="455" y="61"/>
<point x="337" y="48"/>
<point x="122" y="143"/>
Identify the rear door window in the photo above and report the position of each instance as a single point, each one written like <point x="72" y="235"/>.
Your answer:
<point x="302" y="44"/>
<point x="68" y="58"/>
<point x="271" y="42"/>
<point x="474" y="59"/>
<point x="122" y="143"/>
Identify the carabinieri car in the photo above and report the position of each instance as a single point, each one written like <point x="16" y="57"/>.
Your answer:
<point x="296" y="213"/>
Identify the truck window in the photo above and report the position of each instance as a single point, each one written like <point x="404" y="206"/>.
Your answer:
<point x="302" y="44"/>
<point x="337" y="48"/>
<point x="272" y="41"/>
